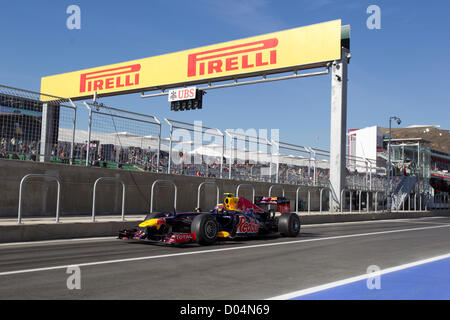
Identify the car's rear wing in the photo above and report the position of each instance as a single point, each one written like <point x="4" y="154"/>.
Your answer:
<point x="283" y="204"/>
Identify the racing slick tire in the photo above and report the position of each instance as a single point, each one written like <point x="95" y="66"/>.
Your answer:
<point x="206" y="228"/>
<point x="289" y="224"/>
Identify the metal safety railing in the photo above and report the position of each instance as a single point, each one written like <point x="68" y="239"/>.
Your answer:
<point x="297" y="199"/>
<point x="376" y="200"/>
<point x="152" y="191"/>
<point x="343" y="199"/>
<point x="94" y="195"/>
<point x="49" y="130"/>
<point x="359" y="193"/>
<point x="200" y="187"/>
<point x="247" y="185"/>
<point x="320" y="197"/>
<point x="58" y="195"/>
<point x="413" y="201"/>
<point x="275" y="185"/>
<point x="270" y="191"/>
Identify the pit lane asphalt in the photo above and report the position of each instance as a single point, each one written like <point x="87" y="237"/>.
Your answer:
<point x="256" y="269"/>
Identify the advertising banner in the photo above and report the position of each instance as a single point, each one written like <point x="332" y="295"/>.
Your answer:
<point x="294" y="49"/>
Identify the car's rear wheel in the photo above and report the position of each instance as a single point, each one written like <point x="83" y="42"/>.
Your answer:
<point x="289" y="224"/>
<point x="206" y="228"/>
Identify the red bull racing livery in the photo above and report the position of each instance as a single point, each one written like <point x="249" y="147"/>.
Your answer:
<point x="235" y="218"/>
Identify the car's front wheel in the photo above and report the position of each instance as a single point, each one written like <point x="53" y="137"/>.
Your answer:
<point x="206" y="228"/>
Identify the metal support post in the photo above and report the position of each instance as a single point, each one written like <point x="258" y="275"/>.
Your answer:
<point x="73" y="130"/>
<point x="277" y="154"/>
<point x="338" y="128"/>
<point x="49" y="130"/>
<point x="88" y="143"/>
<point x="359" y="206"/>
<point x="230" y="160"/>
<point x="169" y="165"/>
<point x="43" y="151"/>
<point x="367" y="201"/>
<point x="223" y="152"/>
<point x="309" y="201"/>
<point x="159" y="145"/>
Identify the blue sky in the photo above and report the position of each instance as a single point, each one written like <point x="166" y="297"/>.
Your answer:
<point x="401" y="69"/>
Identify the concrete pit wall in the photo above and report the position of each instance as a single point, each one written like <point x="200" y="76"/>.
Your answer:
<point x="39" y="197"/>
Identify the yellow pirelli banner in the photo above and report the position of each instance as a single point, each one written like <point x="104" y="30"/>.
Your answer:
<point x="293" y="49"/>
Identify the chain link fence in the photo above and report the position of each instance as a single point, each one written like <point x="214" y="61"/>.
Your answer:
<point x="116" y="138"/>
<point x="39" y="127"/>
<point x="249" y="156"/>
<point x="35" y="126"/>
<point x="302" y="165"/>
<point x="194" y="149"/>
<point x="364" y="174"/>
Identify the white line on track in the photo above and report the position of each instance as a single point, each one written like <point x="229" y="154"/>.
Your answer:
<point x="58" y="241"/>
<point x="335" y="284"/>
<point x="215" y="250"/>
<point x="424" y="222"/>
<point x="372" y="221"/>
<point x="75" y="240"/>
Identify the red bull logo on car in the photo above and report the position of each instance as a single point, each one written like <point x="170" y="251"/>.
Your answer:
<point x="245" y="226"/>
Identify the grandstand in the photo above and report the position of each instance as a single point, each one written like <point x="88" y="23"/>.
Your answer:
<point x="98" y="135"/>
<point x="420" y="156"/>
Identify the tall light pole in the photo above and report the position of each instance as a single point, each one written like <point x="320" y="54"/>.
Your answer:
<point x="389" y="193"/>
